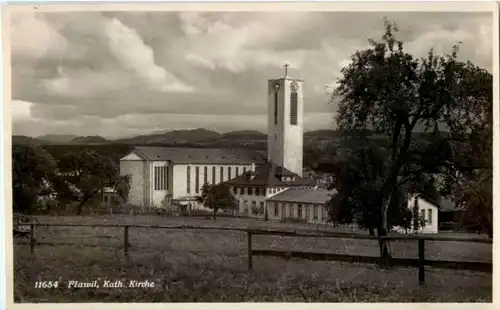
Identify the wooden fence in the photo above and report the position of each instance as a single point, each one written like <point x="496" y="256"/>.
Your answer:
<point x="419" y="262"/>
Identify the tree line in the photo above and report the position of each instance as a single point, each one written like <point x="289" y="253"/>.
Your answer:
<point x="41" y="183"/>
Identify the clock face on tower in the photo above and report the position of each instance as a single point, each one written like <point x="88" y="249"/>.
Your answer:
<point x="295" y="86"/>
<point x="276" y="86"/>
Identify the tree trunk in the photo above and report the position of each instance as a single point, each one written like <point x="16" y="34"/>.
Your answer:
<point x="384" y="245"/>
<point x="215" y="213"/>
<point x="371" y="231"/>
<point x="79" y="209"/>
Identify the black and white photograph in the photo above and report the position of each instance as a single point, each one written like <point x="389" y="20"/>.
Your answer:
<point x="238" y="154"/>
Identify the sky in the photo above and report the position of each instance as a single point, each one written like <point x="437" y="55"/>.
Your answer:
<point x="120" y="74"/>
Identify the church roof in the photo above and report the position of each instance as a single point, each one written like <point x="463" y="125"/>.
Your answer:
<point x="269" y="174"/>
<point x="304" y="195"/>
<point x="179" y="155"/>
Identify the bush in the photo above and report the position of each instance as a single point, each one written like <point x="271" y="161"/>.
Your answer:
<point x="294" y="220"/>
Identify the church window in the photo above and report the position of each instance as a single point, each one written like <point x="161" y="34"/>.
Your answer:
<point x="263" y="191"/>
<point x="429" y="218"/>
<point x="237" y="171"/>
<point x="315" y="212"/>
<point x="299" y="211"/>
<point x="159" y="178"/>
<point x="293" y="108"/>
<point x="249" y="191"/>
<point x="213" y="175"/>
<point x="221" y="174"/>
<point x="242" y="191"/>
<point x="205" y="175"/>
<point x="229" y="173"/>
<point x="197" y="180"/>
<point x="188" y="178"/>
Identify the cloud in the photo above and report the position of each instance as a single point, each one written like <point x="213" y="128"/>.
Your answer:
<point x="127" y="73"/>
<point x="130" y="50"/>
<point x="35" y="38"/>
<point x="19" y="110"/>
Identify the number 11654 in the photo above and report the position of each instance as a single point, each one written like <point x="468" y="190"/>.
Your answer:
<point x="46" y="284"/>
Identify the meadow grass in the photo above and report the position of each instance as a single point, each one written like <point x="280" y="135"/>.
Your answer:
<point x="190" y="265"/>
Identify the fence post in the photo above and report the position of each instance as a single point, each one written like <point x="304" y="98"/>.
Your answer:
<point x="32" y="238"/>
<point x="125" y="241"/>
<point x="421" y="261"/>
<point x="249" y="243"/>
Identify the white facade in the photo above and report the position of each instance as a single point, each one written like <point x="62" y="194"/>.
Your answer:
<point x="249" y="201"/>
<point x="311" y="213"/>
<point x="285" y="136"/>
<point x="427" y="211"/>
<point x="154" y="183"/>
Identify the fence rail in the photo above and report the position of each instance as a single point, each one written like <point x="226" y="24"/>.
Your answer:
<point x="419" y="262"/>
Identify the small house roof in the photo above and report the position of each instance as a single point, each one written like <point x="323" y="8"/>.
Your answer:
<point x="444" y="205"/>
<point x="304" y="195"/>
<point x="179" y="155"/>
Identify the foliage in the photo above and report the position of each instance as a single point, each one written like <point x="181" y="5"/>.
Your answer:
<point x="359" y="175"/>
<point x="217" y="196"/>
<point x="88" y="173"/>
<point x="391" y="92"/>
<point x="32" y="171"/>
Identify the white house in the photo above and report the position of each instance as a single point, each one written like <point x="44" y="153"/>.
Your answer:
<point x="428" y="211"/>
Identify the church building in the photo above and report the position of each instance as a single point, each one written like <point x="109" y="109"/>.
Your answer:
<point x="163" y="174"/>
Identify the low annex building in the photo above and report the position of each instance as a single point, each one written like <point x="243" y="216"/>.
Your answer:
<point x="254" y="188"/>
<point x="300" y="203"/>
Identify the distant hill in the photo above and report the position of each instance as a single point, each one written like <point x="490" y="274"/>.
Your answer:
<point x="195" y="137"/>
<point x="18" y="139"/>
<point x="89" y="140"/>
<point x="175" y="136"/>
<point x="56" y="138"/>
<point x="244" y="135"/>
<point x="323" y="134"/>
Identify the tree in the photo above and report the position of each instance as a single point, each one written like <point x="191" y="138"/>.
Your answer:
<point x="358" y="176"/>
<point x="32" y="168"/>
<point x="88" y="173"/>
<point x="391" y="92"/>
<point x="216" y="196"/>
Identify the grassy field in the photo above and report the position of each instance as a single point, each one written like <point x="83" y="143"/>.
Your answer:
<point x="188" y="265"/>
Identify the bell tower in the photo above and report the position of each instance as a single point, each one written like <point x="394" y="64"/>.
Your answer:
<point x="285" y="122"/>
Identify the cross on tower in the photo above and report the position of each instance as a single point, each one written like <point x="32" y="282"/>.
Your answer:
<point x="286" y="65"/>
